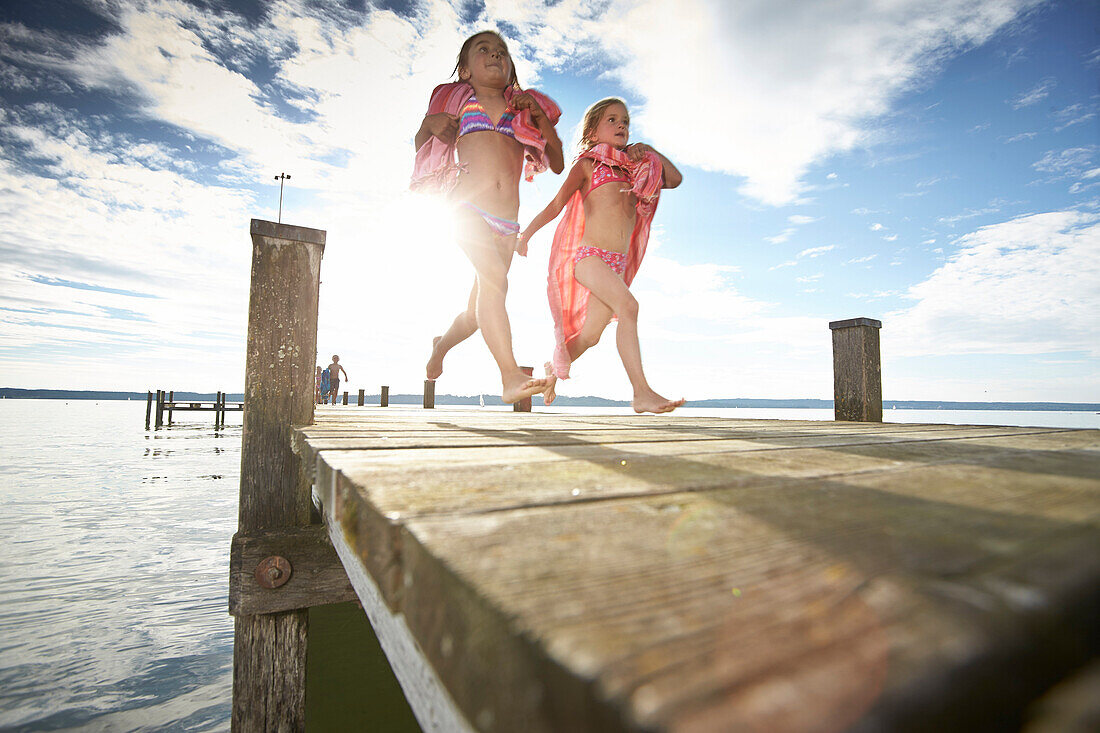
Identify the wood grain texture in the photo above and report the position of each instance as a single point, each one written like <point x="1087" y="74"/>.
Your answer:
<point x="857" y="373"/>
<point x="269" y="651"/>
<point x="317" y="577"/>
<point x="605" y="573"/>
<point x="269" y="667"/>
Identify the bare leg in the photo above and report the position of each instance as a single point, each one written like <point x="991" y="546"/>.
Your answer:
<point x="595" y="321"/>
<point x="601" y="281"/>
<point x="463" y="327"/>
<point x="491" y="257"/>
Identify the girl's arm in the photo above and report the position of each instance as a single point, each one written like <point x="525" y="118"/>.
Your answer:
<point x="546" y="128"/>
<point x="578" y="174"/>
<point x="671" y="176"/>
<point x="441" y="125"/>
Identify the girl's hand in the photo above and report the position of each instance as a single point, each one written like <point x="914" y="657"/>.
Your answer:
<point x="523" y="100"/>
<point x="443" y="126"/>
<point x="637" y="151"/>
<point x="521" y="243"/>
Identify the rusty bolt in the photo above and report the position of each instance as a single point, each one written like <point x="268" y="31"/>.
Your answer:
<point x="273" y="572"/>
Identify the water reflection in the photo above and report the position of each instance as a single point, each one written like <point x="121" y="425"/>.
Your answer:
<point x="114" y="546"/>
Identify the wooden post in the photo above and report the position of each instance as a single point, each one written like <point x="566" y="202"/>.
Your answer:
<point x="345" y="396"/>
<point x="171" y="399"/>
<point x="148" y="407"/>
<point x="160" y="409"/>
<point x="384" y="401"/>
<point x="269" y="650"/>
<point x="429" y="394"/>
<point x="361" y="392"/>
<point x="857" y="370"/>
<point x="219" y="411"/>
<point x="524" y="405"/>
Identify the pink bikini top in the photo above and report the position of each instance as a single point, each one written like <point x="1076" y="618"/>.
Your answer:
<point x="603" y="173"/>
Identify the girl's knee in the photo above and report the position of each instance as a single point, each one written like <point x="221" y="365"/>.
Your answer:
<point x="629" y="308"/>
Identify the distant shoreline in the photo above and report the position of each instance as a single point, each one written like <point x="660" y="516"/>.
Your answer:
<point x="12" y="393"/>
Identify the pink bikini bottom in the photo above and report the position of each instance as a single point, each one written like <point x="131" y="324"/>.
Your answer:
<point x="615" y="260"/>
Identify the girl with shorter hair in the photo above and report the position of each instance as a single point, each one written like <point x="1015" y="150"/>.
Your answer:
<point x="478" y="136"/>
<point x="609" y="197"/>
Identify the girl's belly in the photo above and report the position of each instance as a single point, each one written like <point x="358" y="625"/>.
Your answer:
<point x="609" y="224"/>
<point x="493" y="165"/>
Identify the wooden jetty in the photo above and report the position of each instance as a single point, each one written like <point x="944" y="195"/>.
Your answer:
<point x="162" y="404"/>
<point x="557" y="572"/>
<point x="551" y="572"/>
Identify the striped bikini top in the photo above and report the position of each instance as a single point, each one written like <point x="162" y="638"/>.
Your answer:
<point x="474" y="118"/>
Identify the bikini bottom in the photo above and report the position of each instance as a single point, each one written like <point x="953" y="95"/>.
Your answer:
<point x="500" y="227"/>
<point x="615" y="260"/>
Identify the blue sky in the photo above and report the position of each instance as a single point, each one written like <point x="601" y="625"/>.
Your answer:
<point x="935" y="165"/>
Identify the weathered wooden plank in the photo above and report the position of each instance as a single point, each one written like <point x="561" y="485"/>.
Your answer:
<point x="431" y="703"/>
<point x="855" y="601"/>
<point x="402" y="483"/>
<point x="878" y="577"/>
<point x="374" y="436"/>
<point x="316" y="577"/>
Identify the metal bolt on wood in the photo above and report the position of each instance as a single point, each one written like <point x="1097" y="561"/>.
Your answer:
<point x="273" y="572"/>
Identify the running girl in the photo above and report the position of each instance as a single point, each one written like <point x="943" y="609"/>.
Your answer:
<point x="609" y="198"/>
<point x="498" y="131"/>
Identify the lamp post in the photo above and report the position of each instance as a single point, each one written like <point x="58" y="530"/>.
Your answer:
<point x="281" y="178"/>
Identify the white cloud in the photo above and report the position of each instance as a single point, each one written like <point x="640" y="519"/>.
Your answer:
<point x="799" y="219"/>
<point x="799" y="80"/>
<point x="1036" y="94"/>
<point x="782" y="237"/>
<point x="816" y="251"/>
<point x="1026" y="286"/>
<point x="1075" y="114"/>
<point x="876" y="227"/>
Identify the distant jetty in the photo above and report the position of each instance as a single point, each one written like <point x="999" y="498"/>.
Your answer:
<point x="12" y="393"/>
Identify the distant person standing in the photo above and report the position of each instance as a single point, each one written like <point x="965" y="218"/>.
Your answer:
<point x="334" y="370"/>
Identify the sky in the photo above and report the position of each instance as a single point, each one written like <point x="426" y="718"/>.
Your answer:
<point x="931" y="164"/>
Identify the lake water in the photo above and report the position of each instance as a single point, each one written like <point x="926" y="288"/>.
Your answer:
<point x="114" y="555"/>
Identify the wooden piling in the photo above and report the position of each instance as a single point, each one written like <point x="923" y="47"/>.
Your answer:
<point x="384" y="401"/>
<point x="857" y="370"/>
<point x="269" y="653"/>
<point x="160" y="409"/>
<point x="171" y="399"/>
<point x="429" y="394"/>
<point x="361" y="395"/>
<point x="524" y="405"/>
<point x="148" y="407"/>
<point x="345" y="397"/>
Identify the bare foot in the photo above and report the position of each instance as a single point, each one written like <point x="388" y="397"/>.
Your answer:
<point x="548" y="394"/>
<point x="519" y="385"/>
<point x="435" y="364"/>
<point x="653" y="402"/>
